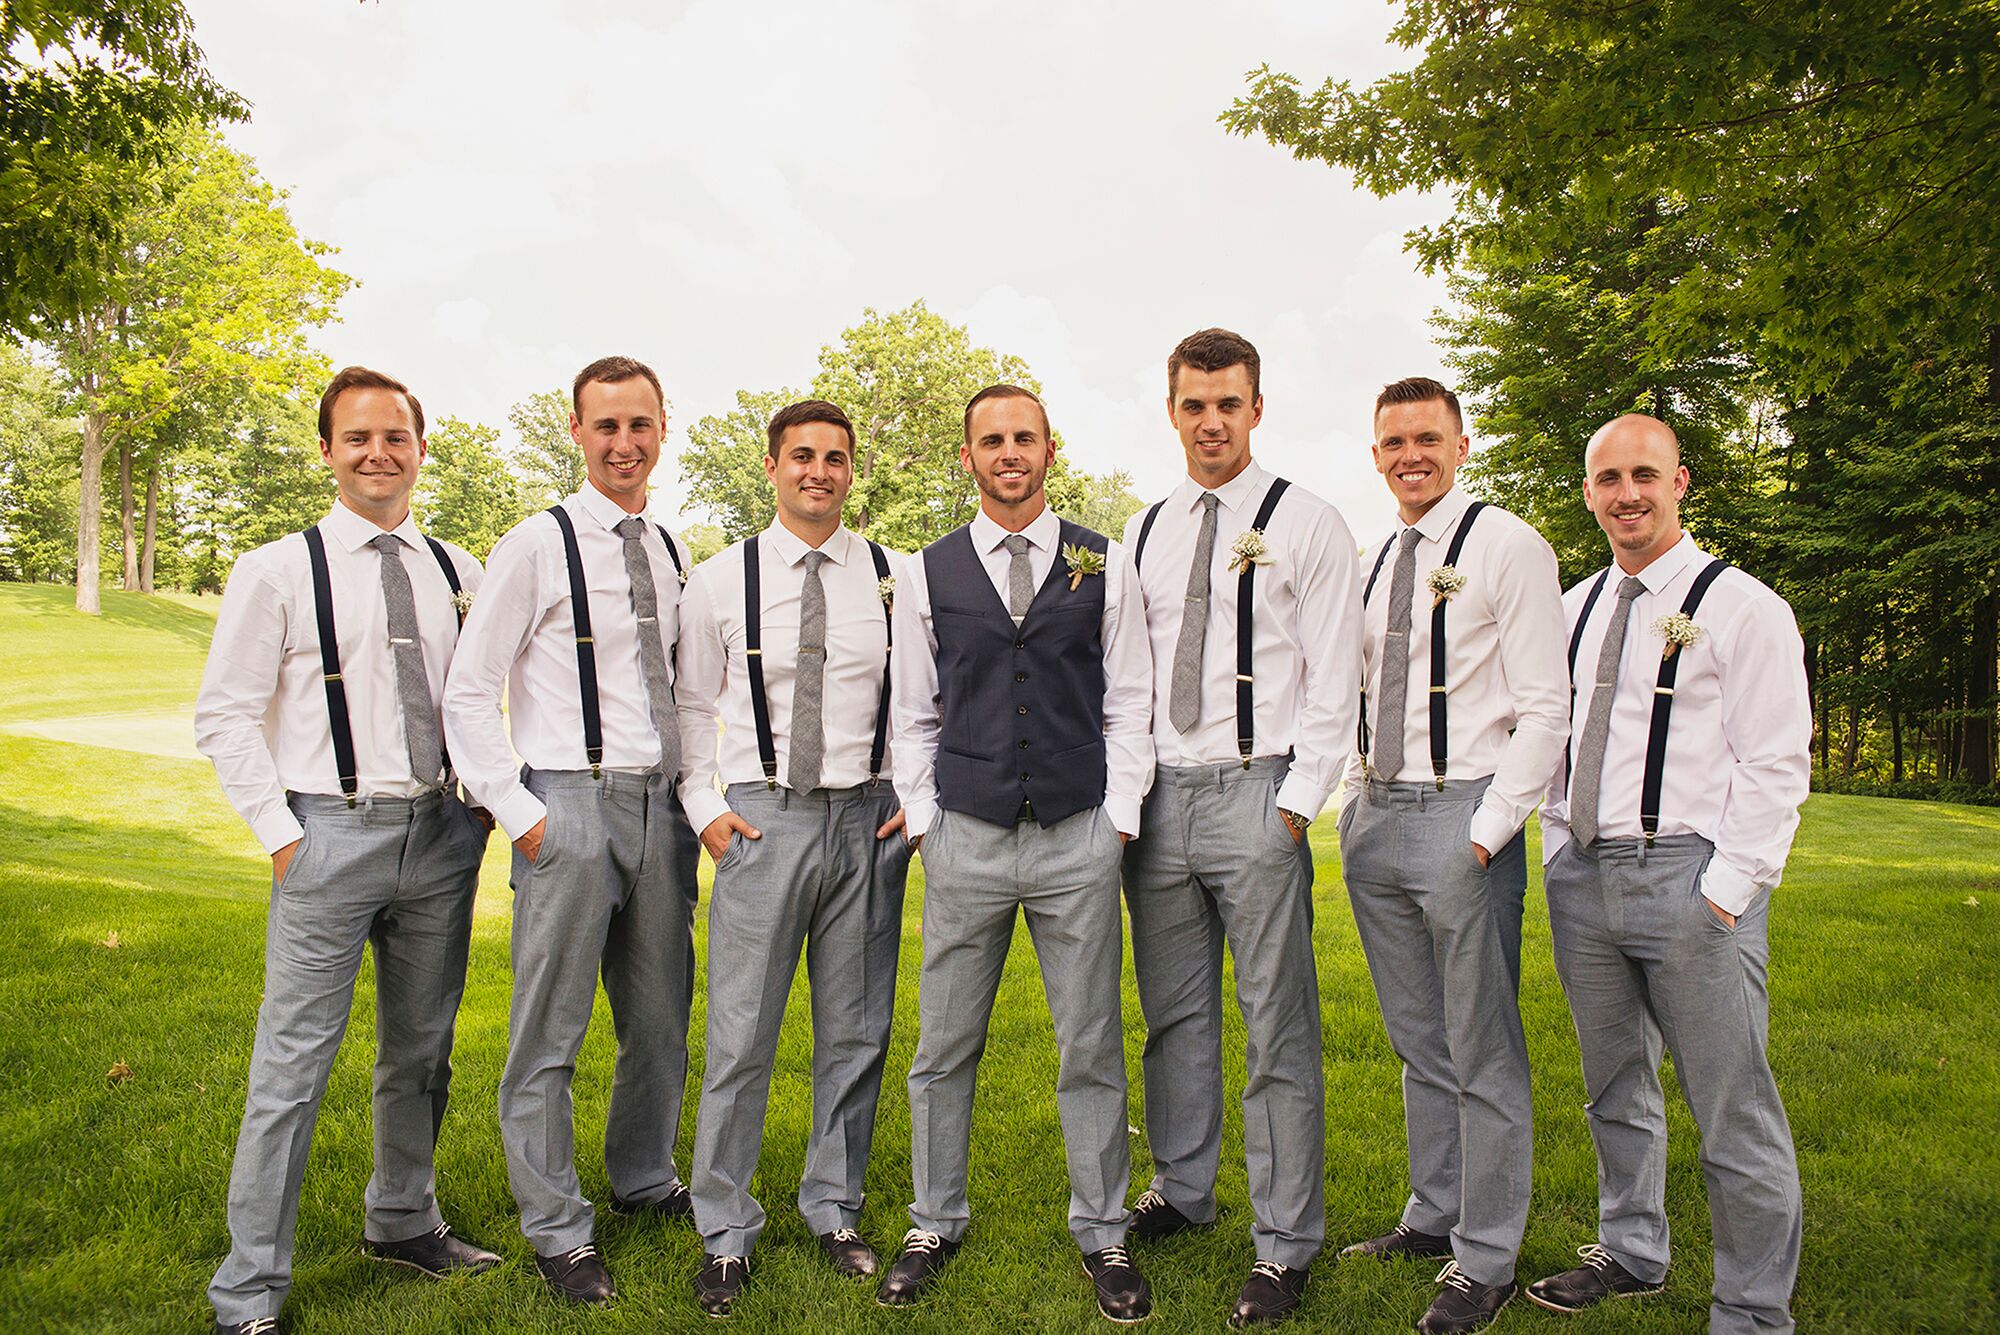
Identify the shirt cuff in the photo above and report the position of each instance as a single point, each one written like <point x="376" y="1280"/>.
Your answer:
<point x="703" y="806"/>
<point x="1490" y="829"/>
<point x="518" y="812"/>
<point x="1727" y="888"/>
<point x="1124" y="813"/>
<point x="918" y="817"/>
<point x="278" y="829"/>
<point x="1300" y="794"/>
<point x="1554" y="835"/>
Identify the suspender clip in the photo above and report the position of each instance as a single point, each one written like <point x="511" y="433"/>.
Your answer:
<point x="596" y="770"/>
<point x="350" y="801"/>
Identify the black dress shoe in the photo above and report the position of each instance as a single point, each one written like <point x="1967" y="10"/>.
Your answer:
<point x="676" y="1204"/>
<point x="1403" y="1242"/>
<point x="1598" y="1278"/>
<point x="720" y="1281"/>
<point x="1153" y="1217"/>
<point x="924" y="1254"/>
<point x="850" y="1255"/>
<point x="256" y="1325"/>
<point x="437" y="1253"/>
<point x="579" y="1275"/>
<point x="1463" y="1304"/>
<point x="1122" y="1293"/>
<point x="1272" y="1293"/>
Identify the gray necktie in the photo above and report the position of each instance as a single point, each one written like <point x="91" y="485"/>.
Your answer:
<point x="1589" y="775"/>
<point x="808" y="756"/>
<point x="413" y="685"/>
<point x="1390" y="711"/>
<point x="1184" y="704"/>
<point x="1020" y="578"/>
<point x="652" y="650"/>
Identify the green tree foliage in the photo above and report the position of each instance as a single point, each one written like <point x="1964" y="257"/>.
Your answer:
<point x="465" y="491"/>
<point x="1773" y="226"/>
<point x="214" y="293"/>
<point x="903" y="378"/>
<point x="37" y="473"/>
<point x="92" y="94"/>
<point x="1104" y="502"/>
<point x="546" y="456"/>
<point x="257" y="478"/>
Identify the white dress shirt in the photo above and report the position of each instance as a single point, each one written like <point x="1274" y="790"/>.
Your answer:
<point x="261" y="715"/>
<point x="1128" y="673"/>
<point x="1504" y="672"/>
<point x="1306" y="664"/>
<point x="521" y="637"/>
<point x="710" y="677"/>
<point x="1739" y="756"/>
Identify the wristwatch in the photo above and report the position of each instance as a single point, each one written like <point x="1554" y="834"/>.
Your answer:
<point x="1294" y="821"/>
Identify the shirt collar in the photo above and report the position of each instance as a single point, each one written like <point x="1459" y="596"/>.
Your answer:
<point x="1671" y="564"/>
<point x="1440" y="518"/>
<point x="792" y="549"/>
<point x="1042" y="533"/>
<point x="353" y="532"/>
<point x="605" y="512"/>
<point x="1234" y="494"/>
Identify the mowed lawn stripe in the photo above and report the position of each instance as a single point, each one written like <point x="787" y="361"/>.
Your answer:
<point x="1882" y="1036"/>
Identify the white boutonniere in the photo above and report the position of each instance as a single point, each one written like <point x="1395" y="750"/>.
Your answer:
<point x="1249" y="549"/>
<point x="1445" y="583"/>
<point x="1678" y="631"/>
<point x="462" y="600"/>
<point x="1081" y="561"/>
<point x="885" y="589"/>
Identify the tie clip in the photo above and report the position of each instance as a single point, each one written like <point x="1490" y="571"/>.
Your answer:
<point x="647" y="621"/>
<point x="397" y="640"/>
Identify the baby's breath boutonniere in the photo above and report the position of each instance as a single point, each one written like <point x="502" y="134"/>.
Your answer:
<point x="462" y="600"/>
<point x="1249" y="549"/>
<point x="885" y="589"/>
<point x="1081" y="561"/>
<point x="1678" y="631"/>
<point x="1444" y="583"/>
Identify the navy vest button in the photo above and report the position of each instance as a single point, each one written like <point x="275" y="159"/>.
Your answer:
<point x="1024" y="743"/>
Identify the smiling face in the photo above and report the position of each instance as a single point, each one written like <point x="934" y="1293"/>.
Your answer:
<point x="374" y="451"/>
<point x="811" y="470"/>
<point x="617" y="425"/>
<point x="1214" y="412"/>
<point x="1007" y="451"/>
<point x="1418" y="448"/>
<point x="1633" y="482"/>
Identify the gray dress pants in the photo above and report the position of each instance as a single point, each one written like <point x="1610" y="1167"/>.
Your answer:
<point x="819" y="880"/>
<point x="1643" y="959"/>
<point x="1215" y="863"/>
<point x="612" y="891"/>
<point x="1065" y="879"/>
<point x="398" y="875"/>
<point x="1443" y="940"/>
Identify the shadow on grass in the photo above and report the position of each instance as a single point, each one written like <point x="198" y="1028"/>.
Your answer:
<point x="57" y="854"/>
<point x="134" y="611"/>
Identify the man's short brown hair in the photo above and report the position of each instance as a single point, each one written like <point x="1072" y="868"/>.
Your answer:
<point x="1419" y="389"/>
<point x="612" y="371"/>
<point x="1215" y="350"/>
<point x="360" y="377"/>
<point x="1005" y="392"/>
<point x="806" y="410"/>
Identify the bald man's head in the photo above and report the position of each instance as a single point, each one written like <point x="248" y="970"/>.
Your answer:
<point x="1633" y="482"/>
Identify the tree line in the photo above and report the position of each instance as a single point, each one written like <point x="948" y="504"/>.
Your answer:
<point x="1774" y="227"/>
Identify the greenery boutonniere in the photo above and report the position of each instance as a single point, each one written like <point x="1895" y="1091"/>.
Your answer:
<point x="1678" y="631"/>
<point x="462" y="600"/>
<point x="1081" y="561"/>
<point x="1249" y="549"/>
<point x="1444" y="583"/>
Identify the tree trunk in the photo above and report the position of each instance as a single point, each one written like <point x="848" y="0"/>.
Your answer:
<point x="1895" y="741"/>
<point x="89" y="512"/>
<point x="147" y="546"/>
<point x="1982" y="684"/>
<point x="1850" y="751"/>
<point x="129" y="546"/>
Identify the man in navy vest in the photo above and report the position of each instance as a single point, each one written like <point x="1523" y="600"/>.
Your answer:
<point x="1250" y="595"/>
<point x="1022" y="680"/>
<point x="1662" y="840"/>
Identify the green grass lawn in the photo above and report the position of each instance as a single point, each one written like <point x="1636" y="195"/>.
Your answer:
<point x="131" y="931"/>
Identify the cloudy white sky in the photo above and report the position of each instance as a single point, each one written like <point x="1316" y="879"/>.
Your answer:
<point x="720" y="188"/>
